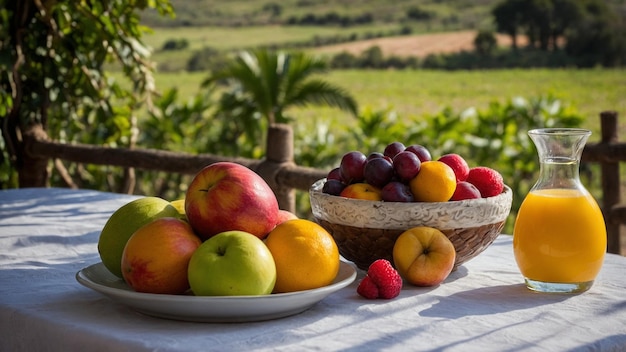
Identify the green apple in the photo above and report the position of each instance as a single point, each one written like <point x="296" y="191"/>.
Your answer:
<point x="232" y="263"/>
<point x="124" y="222"/>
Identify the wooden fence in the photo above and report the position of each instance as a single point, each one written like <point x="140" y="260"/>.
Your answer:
<point x="284" y="177"/>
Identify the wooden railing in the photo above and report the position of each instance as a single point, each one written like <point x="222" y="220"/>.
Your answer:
<point x="609" y="153"/>
<point x="284" y="176"/>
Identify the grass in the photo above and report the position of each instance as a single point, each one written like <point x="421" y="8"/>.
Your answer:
<point x="414" y="94"/>
<point x="225" y="38"/>
<point x="239" y="38"/>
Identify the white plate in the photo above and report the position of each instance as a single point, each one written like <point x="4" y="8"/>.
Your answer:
<point x="210" y="309"/>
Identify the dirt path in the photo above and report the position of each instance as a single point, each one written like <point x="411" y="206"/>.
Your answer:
<point x="416" y="45"/>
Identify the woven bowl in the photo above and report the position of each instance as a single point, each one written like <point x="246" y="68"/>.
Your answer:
<point x="367" y="230"/>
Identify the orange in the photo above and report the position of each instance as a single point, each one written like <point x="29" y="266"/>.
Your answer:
<point x="435" y="182"/>
<point x="305" y="254"/>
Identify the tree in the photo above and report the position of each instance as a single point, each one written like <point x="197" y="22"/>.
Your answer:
<point x="567" y="14"/>
<point x="269" y="82"/>
<point x="485" y="42"/>
<point x="537" y="17"/>
<point x="589" y="23"/>
<point x="599" y="37"/>
<point x="52" y="64"/>
<point x="372" y="58"/>
<point x="508" y="18"/>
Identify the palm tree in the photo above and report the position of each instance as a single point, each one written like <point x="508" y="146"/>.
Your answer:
<point x="268" y="82"/>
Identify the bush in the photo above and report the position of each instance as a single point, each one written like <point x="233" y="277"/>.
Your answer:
<point x="175" y="44"/>
<point x="343" y="60"/>
<point x="417" y="14"/>
<point x="330" y="19"/>
<point x="485" y="42"/>
<point x="206" y="59"/>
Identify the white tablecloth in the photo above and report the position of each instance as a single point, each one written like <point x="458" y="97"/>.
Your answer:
<point x="47" y="235"/>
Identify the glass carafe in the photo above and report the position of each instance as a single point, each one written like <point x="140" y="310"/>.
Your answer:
<point x="559" y="239"/>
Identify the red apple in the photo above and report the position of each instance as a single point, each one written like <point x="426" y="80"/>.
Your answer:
<point x="226" y="196"/>
<point x="423" y="256"/>
<point x="458" y="165"/>
<point x="156" y="256"/>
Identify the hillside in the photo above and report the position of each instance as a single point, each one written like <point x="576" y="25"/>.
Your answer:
<point x="427" y="14"/>
<point x="399" y="27"/>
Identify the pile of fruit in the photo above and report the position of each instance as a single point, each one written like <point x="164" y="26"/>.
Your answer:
<point x="422" y="256"/>
<point x="410" y="174"/>
<point x="226" y="237"/>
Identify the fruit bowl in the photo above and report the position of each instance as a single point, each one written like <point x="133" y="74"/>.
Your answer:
<point x="366" y="230"/>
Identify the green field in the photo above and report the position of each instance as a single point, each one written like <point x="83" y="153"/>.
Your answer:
<point x="225" y="38"/>
<point x="416" y="93"/>
<point x="232" y="39"/>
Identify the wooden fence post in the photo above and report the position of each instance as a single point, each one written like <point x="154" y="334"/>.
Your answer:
<point x="32" y="169"/>
<point x="279" y="154"/>
<point x="610" y="181"/>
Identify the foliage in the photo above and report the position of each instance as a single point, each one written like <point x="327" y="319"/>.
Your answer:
<point x="593" y="31"/>
<point x="499" y="59"/>
<point x="52" y="57"/>
<point x="372" y="58"/>
<point x="543" y="21"/>
<point x="330" y="18"/>
<point x="418" y="14"/>
<point x="180" y="127"/>
<point x="268" y="82"/>
<point x="485" y="42"/>
<point x="206" y="59"/>
<point x="485" y="56"/>
<point x="599" y="38"/>
<point x="175" y="44"/>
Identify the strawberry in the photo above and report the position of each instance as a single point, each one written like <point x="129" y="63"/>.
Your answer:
<point x="488" y="181"/>
<point x="381" y="281"/>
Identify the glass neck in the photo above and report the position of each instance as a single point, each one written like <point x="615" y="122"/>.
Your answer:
<point x="559" y="152"/>
<point x="558" y="173"/>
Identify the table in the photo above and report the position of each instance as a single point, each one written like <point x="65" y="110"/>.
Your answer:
<point x="47" y="235"/>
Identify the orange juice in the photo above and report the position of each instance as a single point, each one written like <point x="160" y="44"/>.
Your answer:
<point x="559" y="236"/>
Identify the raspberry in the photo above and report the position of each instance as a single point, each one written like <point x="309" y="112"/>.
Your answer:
<point x="381" y="281"/>
<point x="488" y="181"/>
<point x="367" y="288"/>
